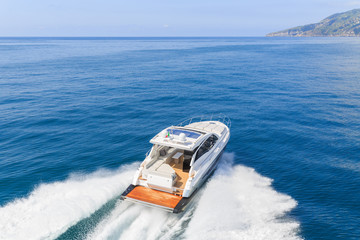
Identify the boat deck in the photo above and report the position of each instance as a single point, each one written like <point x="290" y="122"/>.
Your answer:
<point x="151" y="196"/>
<point x="182" y="176"/>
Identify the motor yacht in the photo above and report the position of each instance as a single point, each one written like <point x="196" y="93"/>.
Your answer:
<point x="181" y="159"/>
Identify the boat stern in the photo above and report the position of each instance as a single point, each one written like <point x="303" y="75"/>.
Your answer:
<point x="154" y="198"/>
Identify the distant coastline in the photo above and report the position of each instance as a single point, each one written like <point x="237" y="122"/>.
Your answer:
<point x="346" y="24"/>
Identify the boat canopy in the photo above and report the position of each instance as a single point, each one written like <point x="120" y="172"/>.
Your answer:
<point x="181" y="138"/>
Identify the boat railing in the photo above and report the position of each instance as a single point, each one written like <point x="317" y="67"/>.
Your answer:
<point x="213" y="117"/>
<point x="147" y="153"/>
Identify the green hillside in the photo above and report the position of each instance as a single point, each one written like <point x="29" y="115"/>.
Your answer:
<point x="345" y="24"/>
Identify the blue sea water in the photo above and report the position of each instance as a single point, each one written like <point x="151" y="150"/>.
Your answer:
<point x="77" y="114"/>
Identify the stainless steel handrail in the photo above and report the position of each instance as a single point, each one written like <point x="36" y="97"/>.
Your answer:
<point x="218" y="117"/>
<point x="147" y="153"/>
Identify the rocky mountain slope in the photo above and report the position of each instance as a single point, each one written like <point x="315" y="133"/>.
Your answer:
<point x="345" y="24"/>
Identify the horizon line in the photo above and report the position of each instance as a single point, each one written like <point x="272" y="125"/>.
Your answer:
<point x="128" y="36"/>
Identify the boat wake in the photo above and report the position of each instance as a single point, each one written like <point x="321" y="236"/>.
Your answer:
<point x="239" y="203"/>
<point x="236" y="203"/>
<point x="52" y="208"/>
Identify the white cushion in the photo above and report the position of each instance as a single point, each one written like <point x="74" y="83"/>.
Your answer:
<point x="165" y="168"/>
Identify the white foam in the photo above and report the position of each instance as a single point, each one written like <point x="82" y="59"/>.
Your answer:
<point x="132" y="221"/>
<point x="52" y="208"/>
<point x="238" y="203"/>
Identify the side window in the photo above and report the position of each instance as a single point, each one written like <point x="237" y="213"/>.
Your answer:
<point x="206" y="146"/>
<point x="213" y="140"/>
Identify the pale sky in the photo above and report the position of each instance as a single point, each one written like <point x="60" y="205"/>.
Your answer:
<point x="161" y="17"/>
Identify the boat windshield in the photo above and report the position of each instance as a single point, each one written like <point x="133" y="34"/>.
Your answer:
<point x="187" y="133"/>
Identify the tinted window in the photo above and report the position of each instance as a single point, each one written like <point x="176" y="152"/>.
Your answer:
<point x="187" y="133"/>
<point x="206" y="146"/>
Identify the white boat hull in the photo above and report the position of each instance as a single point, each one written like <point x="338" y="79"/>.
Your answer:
<point x="166" y="179"/>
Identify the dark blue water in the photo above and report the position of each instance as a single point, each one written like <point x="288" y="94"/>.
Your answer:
<point x="76" y="116"/>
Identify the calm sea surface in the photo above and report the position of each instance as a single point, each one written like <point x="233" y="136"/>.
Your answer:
<point x="77" y="114"/>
